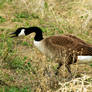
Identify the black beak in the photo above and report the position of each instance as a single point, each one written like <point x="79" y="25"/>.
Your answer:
<point x="13" y="35"/>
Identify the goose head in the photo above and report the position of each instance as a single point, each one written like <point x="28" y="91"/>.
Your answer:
<point x="26" y="31"/>
<point x="19" y="32"/>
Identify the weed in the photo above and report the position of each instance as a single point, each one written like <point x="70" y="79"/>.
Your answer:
<point x="25" y="43"/>
<point x="2" y="3"/>
<point x="35" y="16"/>
<point x="9" y="1"/>
<point x="22" y="15"/>
<point x="16" y="20"/>
<point x="27" y="24"/>
<point x="14" y="89"/>
<point x="1" y="47"/>
<point x="46" y="5"/>
<point x="25" y="58"/>
<point x="55" y="67"/>
<point x="91" y="65"/>
<point x="2" y="19"/>
<point x="17" y="62"/>
<point x="10" y="45"/>
<point x="28" y="67"/>
<point x="59" y="31"/>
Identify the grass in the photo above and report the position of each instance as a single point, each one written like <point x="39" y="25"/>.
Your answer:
<point x="2" y="19"/>
<point x="2" y="3"/>
<point x="91" y="65"/>
<point x="14" y="89"/>
<point x="22" y="15"/>
<point x="22" y="67"/>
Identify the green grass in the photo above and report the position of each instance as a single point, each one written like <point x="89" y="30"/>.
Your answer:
<point x="46" y="5"/>
<point x="16" y="20"/>
<point x="35" y="16"/>
<point x="19" y="17"/>
<point x="17" y="62"/>
<point x="91" y="65"/>
<point x="22" y="15"/>
<point x="2" y="3"/>
<point x="2" y="19"/>
<point x="14" y="89"/>
<point x="6" y="45"/>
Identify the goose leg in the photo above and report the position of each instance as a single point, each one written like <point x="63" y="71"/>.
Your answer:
<point x="69" y="70"/>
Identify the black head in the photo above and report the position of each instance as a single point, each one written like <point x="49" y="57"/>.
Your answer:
<point x="26" y="31"/>
<point x="19" y="32"/>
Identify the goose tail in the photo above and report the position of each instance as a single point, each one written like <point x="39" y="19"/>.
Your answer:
<point x="84" y="60"/>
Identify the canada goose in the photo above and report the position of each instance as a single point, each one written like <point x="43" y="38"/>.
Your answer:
<point x="58" y="47"/>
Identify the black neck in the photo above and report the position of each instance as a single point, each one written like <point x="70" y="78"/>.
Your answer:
<point x="37" y="30"/>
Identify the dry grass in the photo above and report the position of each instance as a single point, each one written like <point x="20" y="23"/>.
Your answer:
<point x="22" y="65"/>
<point x="76" y="85"/>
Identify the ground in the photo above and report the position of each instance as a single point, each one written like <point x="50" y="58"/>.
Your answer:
<point x="22" y="67"/>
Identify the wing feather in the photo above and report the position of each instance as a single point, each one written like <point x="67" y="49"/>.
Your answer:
<point x="61" y="41"/>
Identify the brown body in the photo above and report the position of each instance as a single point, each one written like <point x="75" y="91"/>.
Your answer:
<point x="65" y="49"/>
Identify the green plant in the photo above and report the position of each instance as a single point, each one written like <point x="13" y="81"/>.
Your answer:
<point x="27" y="24"/>
<point x="1" y="45"/>
<point x="55" y="67"/>
<point x="28" y="67"/>
<point x="24" y="43"/>
<point x="46" y="4"/>
<point x="9" y="1"/>
<point x="22" y="15"/>
<point x="17" y="62"/>
<point x="35" y="16"/>
<point x="16" y="20"/>
<point x="2" y="3"/>
<point x="5" y="46"/>
<point x="2" y="19"/>
<point x="91" y="65"/>
<point x="14" y="89"/>
<point x="59" y="30"/>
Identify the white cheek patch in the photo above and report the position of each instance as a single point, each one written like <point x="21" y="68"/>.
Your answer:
<point x="84" y="59"/>
<point x="22" y="33"/>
